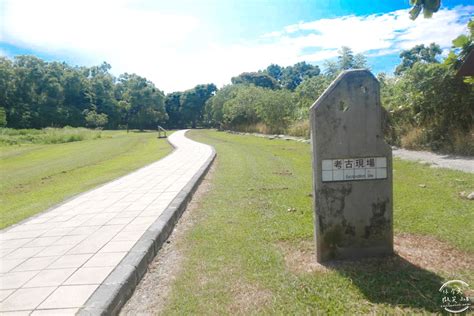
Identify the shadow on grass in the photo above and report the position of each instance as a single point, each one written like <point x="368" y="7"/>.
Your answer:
<point x="394" y="281"/>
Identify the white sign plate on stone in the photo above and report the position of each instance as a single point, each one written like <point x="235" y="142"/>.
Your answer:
<point x="353" y="169"/>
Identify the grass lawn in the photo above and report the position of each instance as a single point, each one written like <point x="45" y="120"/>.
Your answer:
<point x="36" y="175"/>
<point x="244" y="251"/>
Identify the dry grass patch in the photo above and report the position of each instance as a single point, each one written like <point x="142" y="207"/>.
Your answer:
<point x="248" y="298"/>
<point x="302" y="257"/>
<point x="425" y="252"/>
<point x="431" y="254"/>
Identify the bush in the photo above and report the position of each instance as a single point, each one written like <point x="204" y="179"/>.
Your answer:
<point x="300" y="129"/>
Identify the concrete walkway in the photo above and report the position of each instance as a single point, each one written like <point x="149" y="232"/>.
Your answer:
<point x="54" y="262"/>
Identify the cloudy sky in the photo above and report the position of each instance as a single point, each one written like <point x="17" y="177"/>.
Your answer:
<point x="180" y="43"/>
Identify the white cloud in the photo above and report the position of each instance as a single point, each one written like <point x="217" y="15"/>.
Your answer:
<point x="177" y="51"/>
<point x="384" y="32"/>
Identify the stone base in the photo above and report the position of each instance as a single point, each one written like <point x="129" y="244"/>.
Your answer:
<point x="357" y="253"/>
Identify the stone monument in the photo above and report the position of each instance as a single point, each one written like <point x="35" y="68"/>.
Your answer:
<point x="352" y="170"/>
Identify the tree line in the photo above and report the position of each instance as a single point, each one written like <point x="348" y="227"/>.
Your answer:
<point x="428" y="105"/>
<point x="36" y="94"/>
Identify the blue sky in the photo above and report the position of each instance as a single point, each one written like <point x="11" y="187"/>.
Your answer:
<point x="178" y="44"/>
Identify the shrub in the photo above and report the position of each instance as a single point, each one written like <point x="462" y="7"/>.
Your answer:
<point x="300" y="129"/>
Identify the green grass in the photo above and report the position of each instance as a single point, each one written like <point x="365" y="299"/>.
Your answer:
<point x="427" y="201"/>
<point x="233" y="258"/>
<point x="10" y="136"/>
<point x="38" y="176"/>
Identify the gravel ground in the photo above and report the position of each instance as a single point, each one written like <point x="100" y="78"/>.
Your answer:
<point x="461" y="163"/>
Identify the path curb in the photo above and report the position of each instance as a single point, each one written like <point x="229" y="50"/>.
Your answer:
<point x="118" y="287"/>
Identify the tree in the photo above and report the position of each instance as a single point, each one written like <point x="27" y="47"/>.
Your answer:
<point x="427" y="6"/>
<point x="331" y="68"/>
<point x="345" y="58"/>
<point x="419" y="53"/>
<point x="145" y="103"/>
<point x="173" y="109"/>
<point x="125" y="112"/>
<point x="214" y="108"/>
<point x="3" y="117"/>
<point x="308" y="92"/>
<point x="360" y="62"/>
<point x="192" y="103"/>
<point x="275" y="71"/>
<point x="101" y="89"/>
<point x="462" y="46"/>
<point x="292" y="76"/>
<point x="276" y="109"/>
<point x="259" y="79"/>
<point x="241" y="108"/>
<point x="431" y="99"/>
<point x="94" y="119"/>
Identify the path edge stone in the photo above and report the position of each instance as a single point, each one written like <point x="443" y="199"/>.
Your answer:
<point x="120" y="284"/>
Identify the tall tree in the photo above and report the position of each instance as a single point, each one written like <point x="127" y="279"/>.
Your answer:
<point x="292" y="76"/>
<point x="419" y="53"/>
<point x="145" y="103"/>
<point x="102" y="85"/>
<point x="345" y="58"/>
<point x="275" y="71"/>
<point x="173" y="109"/>
<point x="331" y="68"/>
<point x="193" y="102"/>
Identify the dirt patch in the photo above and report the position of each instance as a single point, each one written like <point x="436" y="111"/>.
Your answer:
<point x="302" y="257"/>
<point x="248" y="299"/>
<point x="152" y="293"/>
<point x="422" y="251"/>
<point x="268" y="189"/>
<point x="284" y="173"/>
<point x="431" y="254"/>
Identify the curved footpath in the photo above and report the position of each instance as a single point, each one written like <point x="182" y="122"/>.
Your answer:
<point x="87" y="255"/>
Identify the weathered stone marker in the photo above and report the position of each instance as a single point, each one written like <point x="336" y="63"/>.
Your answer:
<point x="352" y="170"/>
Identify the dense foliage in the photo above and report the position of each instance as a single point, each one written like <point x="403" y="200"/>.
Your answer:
<point x="276" y="99"/>
<point x="38" y="94"/>
<point x="430" y="105"/>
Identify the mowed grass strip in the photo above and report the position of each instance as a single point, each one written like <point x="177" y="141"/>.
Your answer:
<point x="38" y="176"/>
<point x="257" y="217"/>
